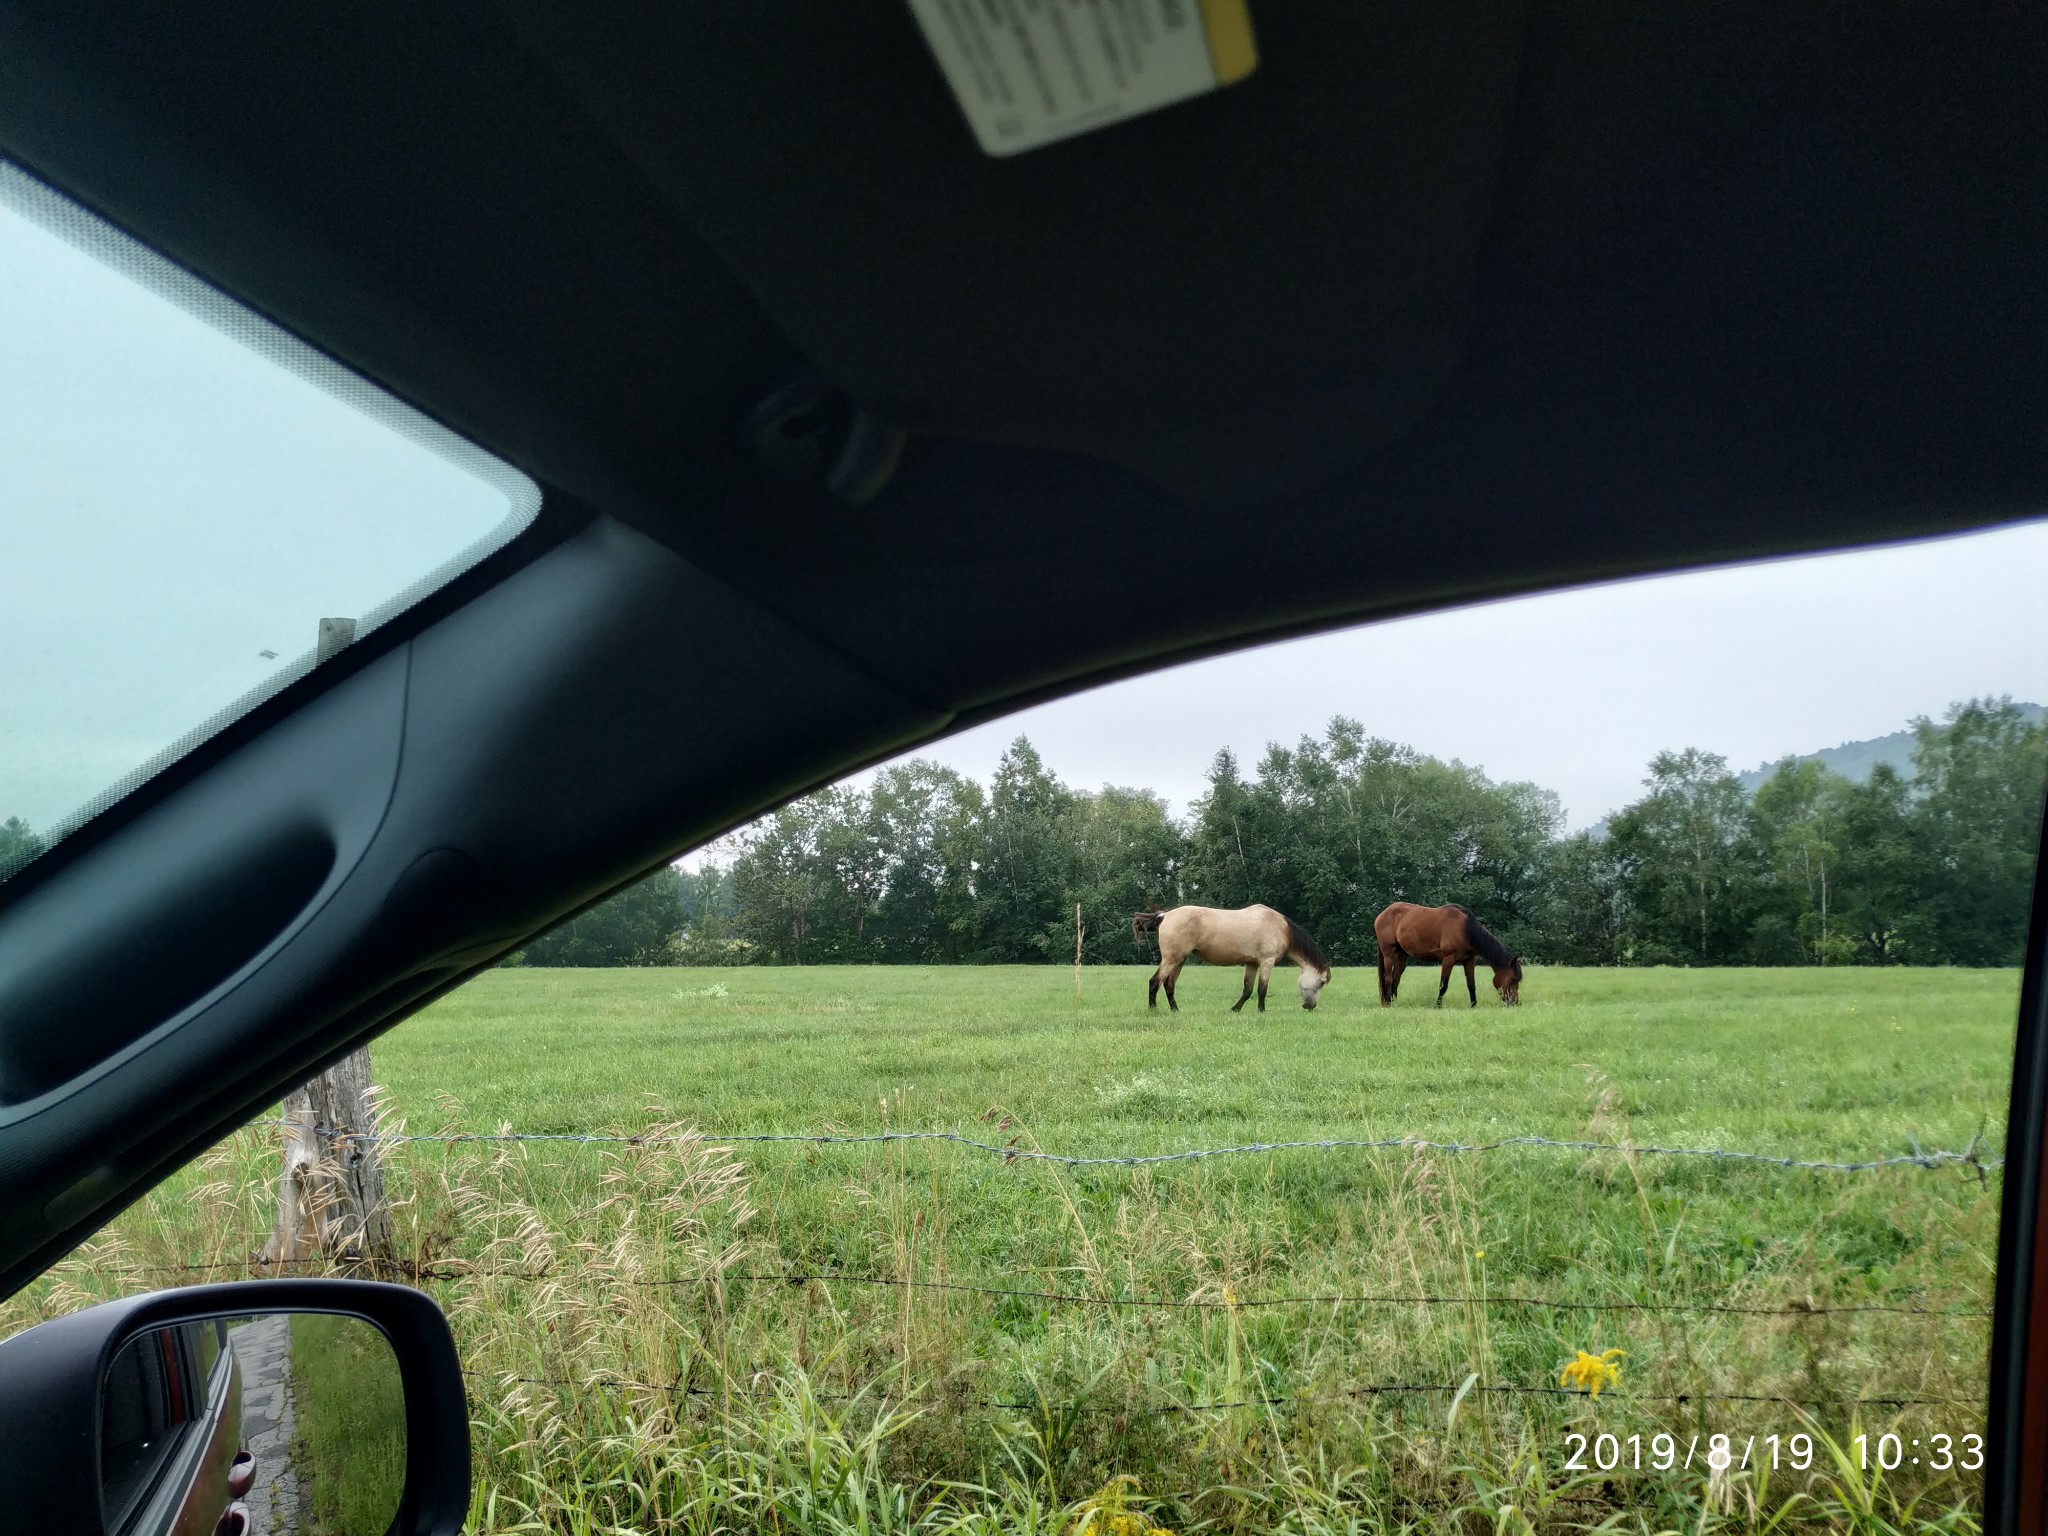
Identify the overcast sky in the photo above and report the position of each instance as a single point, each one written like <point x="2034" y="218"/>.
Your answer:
<point x="1577" y="690"/>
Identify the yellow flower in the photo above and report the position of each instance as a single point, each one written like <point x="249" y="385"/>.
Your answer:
<point x="1230" y="1296"/>
<point x="1480" y="1254"/>
<point x="1589" y="1373"/>
<point x="1103" y="1513"/>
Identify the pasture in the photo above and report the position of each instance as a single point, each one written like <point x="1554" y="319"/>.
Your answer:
<point x="641" y="1365"/>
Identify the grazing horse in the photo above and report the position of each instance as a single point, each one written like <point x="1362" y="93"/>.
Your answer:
<point x="1450" y="934"/>
<point x="1253" y="937"/>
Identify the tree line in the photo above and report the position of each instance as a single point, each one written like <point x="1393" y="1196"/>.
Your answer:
<point x="928" y="866"/>
<point x="18" y="845"/>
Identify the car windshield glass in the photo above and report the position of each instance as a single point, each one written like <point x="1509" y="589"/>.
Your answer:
<point x="197" y="509"/>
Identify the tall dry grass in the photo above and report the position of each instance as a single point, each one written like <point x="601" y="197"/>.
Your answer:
<point x="635" y="1367"/>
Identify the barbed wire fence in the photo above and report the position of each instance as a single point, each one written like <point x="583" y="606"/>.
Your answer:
<point x="457" y="1271"/>
<point x="1346" y="1394"/>
<point x="1917" y="1157"/>
<point x="1970" y="1160"/>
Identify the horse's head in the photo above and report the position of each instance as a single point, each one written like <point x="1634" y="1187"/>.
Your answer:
<point x="1312" y="981"/>
<point x="1508" y="980"/>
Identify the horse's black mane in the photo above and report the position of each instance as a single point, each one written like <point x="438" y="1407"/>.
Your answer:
<point x="1306" y="946"/>
<point x="1481" y="938"/>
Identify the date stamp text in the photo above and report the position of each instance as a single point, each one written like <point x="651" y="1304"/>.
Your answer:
<point x="1794" y="1452"/>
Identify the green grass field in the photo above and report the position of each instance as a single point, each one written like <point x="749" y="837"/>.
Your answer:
<point x="833" y="1405"/>
<point x="349" y="1426"/>
<point x="1816" y="1062"/>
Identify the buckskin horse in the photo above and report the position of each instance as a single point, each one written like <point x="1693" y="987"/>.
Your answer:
<point x="1256" y="938"/>
<point x="1450" y="934"/>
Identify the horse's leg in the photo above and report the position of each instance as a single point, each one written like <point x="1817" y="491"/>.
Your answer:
<point x="1445" y="985"/>
<point x="1249" y="972"/>
<point x="1170" y="962"/>
<point x="1471" y="989"/>
<point x="1265" y="975"/>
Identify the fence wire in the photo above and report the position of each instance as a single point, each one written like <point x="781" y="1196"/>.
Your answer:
<point x="455" y="1271"/>
<point x="1917" y="1157"/>
<point x="1347" y="1394"/>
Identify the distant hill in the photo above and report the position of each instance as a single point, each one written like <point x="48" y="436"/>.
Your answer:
<point x="1855" y="759"/>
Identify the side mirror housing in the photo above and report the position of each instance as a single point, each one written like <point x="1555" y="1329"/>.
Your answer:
<point x="180" y="1409"/>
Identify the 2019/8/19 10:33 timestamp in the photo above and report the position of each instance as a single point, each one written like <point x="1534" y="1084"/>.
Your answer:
<point x="1718" y="1453"/>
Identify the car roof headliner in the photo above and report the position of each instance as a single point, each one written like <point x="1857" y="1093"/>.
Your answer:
<point x="1436" y="305"/>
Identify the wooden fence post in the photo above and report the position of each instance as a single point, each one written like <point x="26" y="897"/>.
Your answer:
<point x="1078" y="930"/>
<point x="330" y="1185"/>
<point x="330" y="1188"/>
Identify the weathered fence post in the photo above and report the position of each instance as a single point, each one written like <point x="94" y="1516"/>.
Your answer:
<point x="1077" y="951"/>
<point x="330" y="1186"/>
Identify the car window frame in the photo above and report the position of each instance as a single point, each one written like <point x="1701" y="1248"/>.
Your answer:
<point x="557" y="517"/>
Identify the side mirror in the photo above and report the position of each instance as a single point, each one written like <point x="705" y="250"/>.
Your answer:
<point x="267" y="1408"/>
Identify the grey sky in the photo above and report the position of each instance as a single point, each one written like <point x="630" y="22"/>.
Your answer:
<point x="1577" y="690"/>
<point x="173" y="505"/>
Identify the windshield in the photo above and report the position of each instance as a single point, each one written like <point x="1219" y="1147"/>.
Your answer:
<point x="195" y="510"/>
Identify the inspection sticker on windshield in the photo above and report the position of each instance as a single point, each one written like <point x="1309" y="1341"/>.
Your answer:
<point x="1027" y="72"/>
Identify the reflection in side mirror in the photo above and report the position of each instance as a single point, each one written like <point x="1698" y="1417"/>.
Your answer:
<point x="150" y="1414"/>
<point x="281" y="1424"/>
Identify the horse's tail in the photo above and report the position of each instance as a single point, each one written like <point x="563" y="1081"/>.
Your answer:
<point x="1143" y="923"/>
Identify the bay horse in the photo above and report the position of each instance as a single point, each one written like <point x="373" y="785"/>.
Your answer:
<point x="1450" y="934"/>
<point x="1256" y="938"/>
